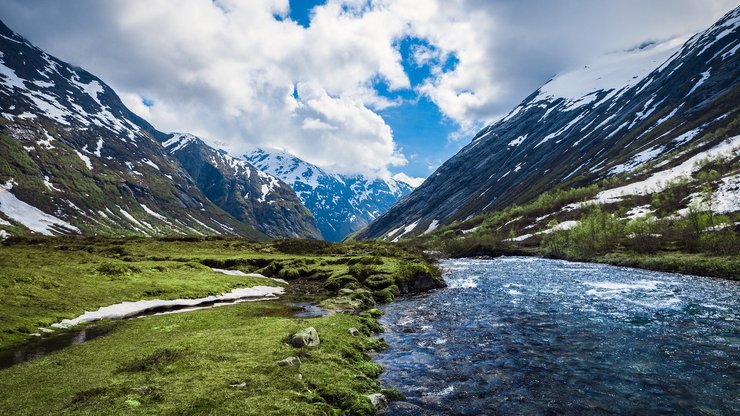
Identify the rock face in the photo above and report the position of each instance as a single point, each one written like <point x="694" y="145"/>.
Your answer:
<point x="250" y="195"/>
<point x="648" y="108"/>
<point x="74" y="159"/>
<point x="342" y="204"/>
<point x="305" y="338"/>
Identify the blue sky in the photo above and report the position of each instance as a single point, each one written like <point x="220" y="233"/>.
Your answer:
<point x="378" y="87"/>
<point x="421" y="131"/>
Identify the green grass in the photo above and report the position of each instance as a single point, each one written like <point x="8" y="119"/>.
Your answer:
<point x="41" y="285"/>
<point x="216" y="361"/>
<point x="45" y="280"/>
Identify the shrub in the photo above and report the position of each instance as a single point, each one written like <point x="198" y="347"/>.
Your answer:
<point x="596" y="233"/>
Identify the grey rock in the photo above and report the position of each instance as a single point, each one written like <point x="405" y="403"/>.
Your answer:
<point x="290" y="362"/>
<point x="308" y="337"/>
<point x="379" y="402"/>
<point x="354" y="332"/>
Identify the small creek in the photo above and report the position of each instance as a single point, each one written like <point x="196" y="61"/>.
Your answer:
<point x="527" y="336"/>
<point x="42" y="345"/>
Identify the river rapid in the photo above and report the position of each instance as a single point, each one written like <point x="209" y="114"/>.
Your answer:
<point x="529" y="336"/>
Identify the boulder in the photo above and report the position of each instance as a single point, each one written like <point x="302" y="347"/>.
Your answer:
<point x="354" y="332"/>
<point x="290" y="362"/>
<point x="378" y="401"/>
<point x="305" y="338"/>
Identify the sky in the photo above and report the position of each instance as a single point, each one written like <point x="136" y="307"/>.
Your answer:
<point x="379" y="87"/>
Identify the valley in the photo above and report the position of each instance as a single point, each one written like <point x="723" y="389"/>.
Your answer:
<point x="245" y="228"/>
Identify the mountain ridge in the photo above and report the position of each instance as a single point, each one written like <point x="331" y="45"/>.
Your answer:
<point x="77" y="160"/>
<point x="677" y="108"/>
<point x="342" y="204"/>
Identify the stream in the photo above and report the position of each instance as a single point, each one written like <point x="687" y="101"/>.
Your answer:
<point x="529" y="336"/>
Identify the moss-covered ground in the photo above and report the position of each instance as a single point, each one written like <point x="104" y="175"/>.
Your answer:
<point x="214" y="361"/>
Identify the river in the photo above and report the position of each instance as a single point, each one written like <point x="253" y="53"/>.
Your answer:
<point x="529" y="336"/>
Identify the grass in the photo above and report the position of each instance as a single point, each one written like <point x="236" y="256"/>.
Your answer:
<point x="215" y="361"/>
<point x="43" y="281"/>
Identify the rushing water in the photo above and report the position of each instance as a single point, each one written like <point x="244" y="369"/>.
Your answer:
<point x="544" y="337"/>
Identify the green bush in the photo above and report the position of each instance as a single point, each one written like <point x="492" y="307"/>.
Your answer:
<point x="597" y="233"/>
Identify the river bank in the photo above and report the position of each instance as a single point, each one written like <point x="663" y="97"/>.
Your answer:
<point x="223" y="360"/>
<point x="699" y="264"/>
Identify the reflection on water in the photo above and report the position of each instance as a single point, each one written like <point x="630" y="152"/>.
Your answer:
<point x="42" y="346"/>
<point x="534" y="336"/>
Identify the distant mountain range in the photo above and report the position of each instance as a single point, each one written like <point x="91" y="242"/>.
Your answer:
<point x="342" y="204"/>
<point x="627" y="116"/>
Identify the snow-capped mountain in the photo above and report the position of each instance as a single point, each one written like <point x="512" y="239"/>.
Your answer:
<point x="342" y="204"/>
<point x="629" y="114"/>
<point x="74" y="159"/>
<point x="250" y="195"/>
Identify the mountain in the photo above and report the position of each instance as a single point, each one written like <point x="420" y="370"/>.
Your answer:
<point x="342" y="204"/>
<point x="76" y="160"/>
<point x="250" y="195"/>
<point x="626" y="116"/>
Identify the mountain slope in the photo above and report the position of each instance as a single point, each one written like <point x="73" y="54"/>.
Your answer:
<point x="626" y="115"/>
<point x="250" y="195"/>
<point x="342" y="204"/>
<point x="76" y="160"/>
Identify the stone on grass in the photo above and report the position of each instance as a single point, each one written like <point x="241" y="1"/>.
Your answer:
<point x="354" y="332"/>
<point x="290" y="362"/>
<point x="378" y="401"/>
<point x="305" y="338"/>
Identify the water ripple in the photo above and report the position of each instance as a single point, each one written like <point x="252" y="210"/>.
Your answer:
<point x="532" y="336"/>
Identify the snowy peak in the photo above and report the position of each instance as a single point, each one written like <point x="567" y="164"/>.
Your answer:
<point x="288" y="167"/>
<point x="342" y="204"/>
<point x="37" y="85"/>
<point x="612" y="73"/>
<point x="251" y="195"/>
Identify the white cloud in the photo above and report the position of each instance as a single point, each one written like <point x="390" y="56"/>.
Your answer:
<point x="230" y="70"/>
<point x="402" y="177"/>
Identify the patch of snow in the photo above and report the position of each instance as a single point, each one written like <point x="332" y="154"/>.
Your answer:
<point x="687" y="136"/>
<point x="50" y="185"/>
<point x="30" y="216"/>
<point x="129" y="309"/>
<point x="639" y="211"/>
<point x="407" y="229"/>
<point x="150" y="163"/>
<point x="432" y="226"/>
<point x="652" y="184"/>
<point x="704" y="77"/>
<point x="637" y="160"/>
<point x="565" y="225"/>
<point x="98" y="147"/>
<point x="518" y="140"/>
<point x="241" y="273"/>
<point x="727" y="195"/>
<point x="520" y="238"/>
<point x="85" y="159"/>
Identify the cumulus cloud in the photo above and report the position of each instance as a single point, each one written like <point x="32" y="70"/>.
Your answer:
<point x="242" y="73"/>
<point x="414" y="182"/>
